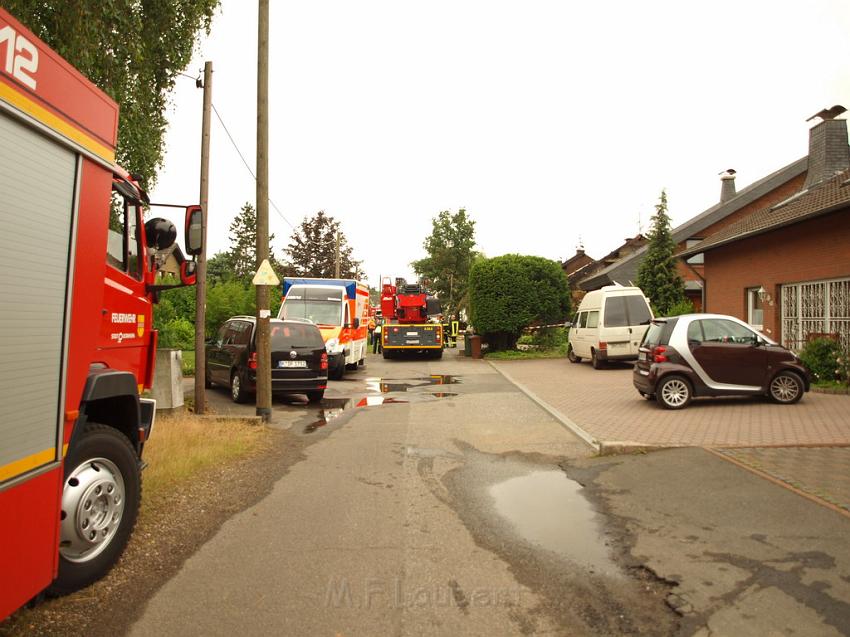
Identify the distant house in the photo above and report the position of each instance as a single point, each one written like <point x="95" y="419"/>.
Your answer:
<point x="574" y="268"/>
<point x="732" y="206"/>
<point x="785" y="267"/>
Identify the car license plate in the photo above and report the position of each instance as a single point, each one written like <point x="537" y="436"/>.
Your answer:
<point x="411" y="333"/>
<point x="414" y="341"/>
<point x="292" y="363"/>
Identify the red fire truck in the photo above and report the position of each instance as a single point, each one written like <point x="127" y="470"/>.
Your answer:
<point x="408" y="310"/>
<point x="79" y="271"/>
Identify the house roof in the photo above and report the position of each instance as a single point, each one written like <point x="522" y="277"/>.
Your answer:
<point x="626" y="269"/>
<point x="824" y="198"/>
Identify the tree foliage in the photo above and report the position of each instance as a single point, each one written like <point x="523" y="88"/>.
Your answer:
<point x="658" y="275"/>
<point x="511" y="292"/>
<point x="312" y="249"/>
<point x="450" y="248"/>
<point x="131" y="49"/>
<point x="242" y="256"/>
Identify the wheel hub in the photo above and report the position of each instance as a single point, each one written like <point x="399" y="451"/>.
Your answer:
<point x="92" y="507"/>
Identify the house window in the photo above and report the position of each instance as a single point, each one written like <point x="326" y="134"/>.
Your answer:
<point x="697" y="259"/>
<point x="755" y="309"/>
<point x="814" y="308"/>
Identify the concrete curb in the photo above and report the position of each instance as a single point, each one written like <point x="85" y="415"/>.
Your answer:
<point x="592" y="442"/>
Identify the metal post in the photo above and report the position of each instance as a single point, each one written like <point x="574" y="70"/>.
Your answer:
<point x="264" y="379"/>
<point x="201" y="275"/>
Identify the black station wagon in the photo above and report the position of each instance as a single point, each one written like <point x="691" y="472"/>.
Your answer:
<point x="299" y="360"/>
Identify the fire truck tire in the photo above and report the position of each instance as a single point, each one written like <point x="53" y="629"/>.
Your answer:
<point x="100" y="504"/>
<point x="388" y="354"/>
<point x="437" y="354"/>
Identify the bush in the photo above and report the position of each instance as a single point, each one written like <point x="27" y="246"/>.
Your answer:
<point x="509" y="293"/>
<point x="677" y="309"/>
<point x="824" y="358"/>
<point x="177" y="333"/>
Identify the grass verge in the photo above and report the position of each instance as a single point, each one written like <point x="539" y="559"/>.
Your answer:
<point x="512" y="354"/>
<point x="188" y="357"/>
<point x="183" y="446"/>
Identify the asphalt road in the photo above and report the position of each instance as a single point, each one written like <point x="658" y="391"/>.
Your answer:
<point x="435" y="498"/>
<point x="423" y="511"/>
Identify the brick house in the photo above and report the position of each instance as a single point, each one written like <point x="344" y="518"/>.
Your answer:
<point x="733" y="205"/>
<point x="785" y="268"/>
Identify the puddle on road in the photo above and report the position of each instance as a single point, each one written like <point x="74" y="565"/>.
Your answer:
<point x="547" y="509"/>
<point x="388" y="385"/>
<point x="333" y="409"/>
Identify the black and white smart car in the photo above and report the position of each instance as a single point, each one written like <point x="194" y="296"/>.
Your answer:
<point x="714" y="355"/>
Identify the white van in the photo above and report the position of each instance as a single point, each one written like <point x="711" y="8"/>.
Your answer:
<point x="609" y="325"/>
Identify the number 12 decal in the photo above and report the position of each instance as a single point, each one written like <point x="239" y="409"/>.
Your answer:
<point x="21" y="56"/>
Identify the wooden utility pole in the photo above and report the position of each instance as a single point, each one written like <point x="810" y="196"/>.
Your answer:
<point x="264" y="372"/>
<point x="201" y="274"/>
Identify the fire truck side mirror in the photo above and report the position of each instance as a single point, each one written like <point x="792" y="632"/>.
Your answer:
<point x="187" y="272"/>
<point x="194" y="230"/>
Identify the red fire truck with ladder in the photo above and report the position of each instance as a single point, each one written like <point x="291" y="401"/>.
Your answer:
<point x="407" y="310"/>
<point x="79" y="272"/>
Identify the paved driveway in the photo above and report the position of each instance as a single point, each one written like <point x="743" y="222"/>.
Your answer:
<point x="606" y="405"/>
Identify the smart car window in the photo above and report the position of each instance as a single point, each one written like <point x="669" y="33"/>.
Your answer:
<point x="615" y="312"/>
<point x="695" y="332"/>
<point x="593" y="319"/>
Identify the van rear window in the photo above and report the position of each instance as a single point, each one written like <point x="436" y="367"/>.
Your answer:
<point x="622" y="311"/>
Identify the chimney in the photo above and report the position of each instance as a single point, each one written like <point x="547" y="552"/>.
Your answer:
<point x="829" y="152"/>
<point x="727" y="185"/>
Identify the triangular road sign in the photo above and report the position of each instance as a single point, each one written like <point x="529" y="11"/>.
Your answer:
<point x="265" y="275"/>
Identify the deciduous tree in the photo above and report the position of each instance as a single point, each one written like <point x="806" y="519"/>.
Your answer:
<point x="133" y="50"/>
<point x="450" y="248"/>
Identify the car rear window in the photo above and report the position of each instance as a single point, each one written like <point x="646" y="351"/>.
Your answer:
<point x="658" y="333"/>
<point x="295" y="335"/>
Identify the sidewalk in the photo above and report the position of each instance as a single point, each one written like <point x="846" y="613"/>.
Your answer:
<point x="805" y="446"/>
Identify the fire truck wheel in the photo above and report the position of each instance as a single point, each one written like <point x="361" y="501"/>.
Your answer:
<point x="100" y="503"/>
<point x="438" y="354"/>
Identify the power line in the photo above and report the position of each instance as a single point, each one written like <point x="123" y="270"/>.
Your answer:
<point x="244" y="161"/>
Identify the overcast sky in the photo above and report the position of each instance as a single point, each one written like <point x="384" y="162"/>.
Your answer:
<point x="550" y="121"/>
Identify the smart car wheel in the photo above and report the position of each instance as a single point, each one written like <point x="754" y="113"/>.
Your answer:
<point x="674" y="392"/>
<point x="571" y="355"/>
<point x="786" y="388"/>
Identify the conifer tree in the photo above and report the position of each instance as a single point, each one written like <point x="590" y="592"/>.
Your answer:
<point x="657" y="276"/>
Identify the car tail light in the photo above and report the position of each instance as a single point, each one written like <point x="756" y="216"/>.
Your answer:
<point x="659" y="354"/>
<point x="324" y="363"/>
<point x="603" y="345"/>
<point x="252" y="361"/>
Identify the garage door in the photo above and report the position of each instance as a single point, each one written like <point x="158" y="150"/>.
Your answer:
<point x="37" y="183"/>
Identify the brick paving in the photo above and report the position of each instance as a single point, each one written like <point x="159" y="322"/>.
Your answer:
<point x="606" y="405"/>
<point x="823" y="472"/>
<point x="805" y="446"/>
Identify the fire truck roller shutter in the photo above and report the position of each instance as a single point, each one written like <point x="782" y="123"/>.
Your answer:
<point x="38" y="194"/>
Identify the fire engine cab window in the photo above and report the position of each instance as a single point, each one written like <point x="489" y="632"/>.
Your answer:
<point x="122" y="244"/>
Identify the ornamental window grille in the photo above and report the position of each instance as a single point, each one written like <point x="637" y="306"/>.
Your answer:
<point x="813" y="309"/>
